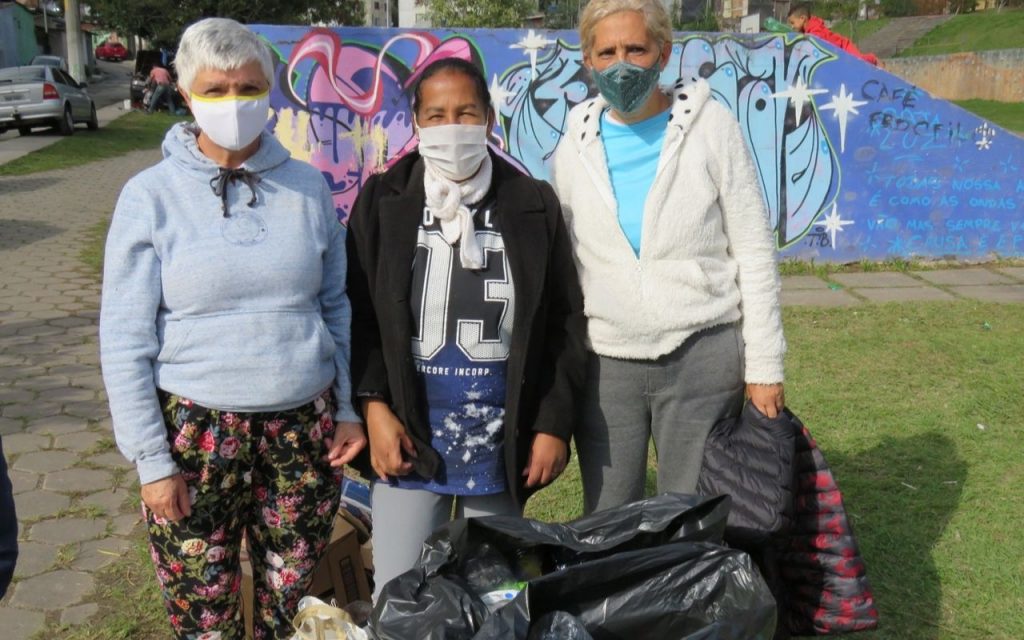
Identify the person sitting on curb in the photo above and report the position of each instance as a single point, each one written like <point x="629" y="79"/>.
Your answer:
<point x="801" y="19"/>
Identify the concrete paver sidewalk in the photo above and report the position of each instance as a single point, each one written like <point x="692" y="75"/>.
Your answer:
<point x="983" y="283"/>
<point x="73" y="490"/>
<point x="71" y="486"/>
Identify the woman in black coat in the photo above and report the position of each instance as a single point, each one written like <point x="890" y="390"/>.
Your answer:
<point x="467" y="328"/>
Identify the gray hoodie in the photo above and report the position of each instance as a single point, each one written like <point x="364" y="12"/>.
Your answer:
<point x="230" y="293"/>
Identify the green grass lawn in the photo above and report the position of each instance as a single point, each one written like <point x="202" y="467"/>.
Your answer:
<point x="1009" y="115"/>
<point x="131" y="132"/>
<point x="857" y="30"/>
<point x="980" y="31"/>
<point x="918" y="409"/>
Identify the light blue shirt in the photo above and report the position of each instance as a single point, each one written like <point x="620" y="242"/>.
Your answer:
<point x="632" y="152"/>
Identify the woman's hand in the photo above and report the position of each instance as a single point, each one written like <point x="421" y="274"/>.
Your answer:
<point x="548" y="455"/>
<point x="348" y="440"/>
<point x="388" y="440"/>
<point x="769" y="399"/>
<point x="167" y="498"/>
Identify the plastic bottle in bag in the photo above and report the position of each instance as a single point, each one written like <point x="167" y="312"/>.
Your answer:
<point x="490" y="576"/>
<point x="529" y="563"/>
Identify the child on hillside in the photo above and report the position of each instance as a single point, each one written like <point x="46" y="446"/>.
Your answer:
<point x="800" y="19"/>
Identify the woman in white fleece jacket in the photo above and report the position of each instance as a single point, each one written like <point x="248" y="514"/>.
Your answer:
<point x="676" y="259"/>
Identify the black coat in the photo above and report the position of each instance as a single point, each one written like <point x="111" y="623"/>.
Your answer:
<point x="546" y="366"/>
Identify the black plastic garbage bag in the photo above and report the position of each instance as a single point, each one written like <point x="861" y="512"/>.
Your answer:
<point x="653" y="569"/>
<point x="559" y="625"/>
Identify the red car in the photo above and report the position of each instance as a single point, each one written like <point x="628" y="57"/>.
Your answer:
<point x="111" y="51"/>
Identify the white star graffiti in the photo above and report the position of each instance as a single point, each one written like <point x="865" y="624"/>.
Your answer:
<point x="498" y="94"/>
<point x="841" y="108"/>
<point x="798" y="94"/>
<point x="833" y="223"/>
<point x="988" y="134"/>
<point x="531" y="43"/>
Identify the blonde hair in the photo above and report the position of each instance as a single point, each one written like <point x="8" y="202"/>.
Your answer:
<point x="659" y="24"/>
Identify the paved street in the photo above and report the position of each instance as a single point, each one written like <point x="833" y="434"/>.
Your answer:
<point x="72" y="487"/>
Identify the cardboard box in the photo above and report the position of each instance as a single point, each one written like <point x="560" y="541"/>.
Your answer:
<point x="339" y="577"/>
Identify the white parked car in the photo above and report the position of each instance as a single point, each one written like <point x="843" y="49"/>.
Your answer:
<point x="51" y="61"/>
<point x="43" y="96"/>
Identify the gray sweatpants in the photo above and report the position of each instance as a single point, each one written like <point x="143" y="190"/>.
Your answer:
<point x="404" y="518"/>
<point x="675" y="399"/>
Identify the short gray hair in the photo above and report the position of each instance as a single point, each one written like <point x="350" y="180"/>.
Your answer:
<point x="219" y="43"/>
<point x="659" y="24"/>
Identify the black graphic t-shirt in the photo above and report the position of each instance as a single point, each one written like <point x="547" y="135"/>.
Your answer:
<point x="462" y="328"/>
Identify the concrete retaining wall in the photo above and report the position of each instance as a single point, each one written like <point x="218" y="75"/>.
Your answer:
<point x="987" y="75"/>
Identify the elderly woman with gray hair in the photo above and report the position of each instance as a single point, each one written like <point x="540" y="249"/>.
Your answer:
<point x="675" y="255"/>
<point x="224" y="336"/>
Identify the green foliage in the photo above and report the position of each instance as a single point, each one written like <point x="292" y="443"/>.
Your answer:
<point x="562" y="14"/>
<point x="480" y="13"/>
<point x="162" y="21"/>
<point x="838" y="9"/>
<point x="898" y="8"/>
<point x="957" y="7"/>
<point x="706" y="21"/>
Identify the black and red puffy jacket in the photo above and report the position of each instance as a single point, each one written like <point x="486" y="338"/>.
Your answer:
<point x="788" y="513"/>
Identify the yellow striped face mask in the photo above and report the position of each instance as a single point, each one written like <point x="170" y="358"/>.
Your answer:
<point x="232" y="123"/>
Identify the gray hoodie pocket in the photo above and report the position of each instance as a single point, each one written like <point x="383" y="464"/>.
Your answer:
<point x="176" y="334"/>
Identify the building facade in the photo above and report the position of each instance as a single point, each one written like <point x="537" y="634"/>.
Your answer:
<point x="378" y="13"/>
<point x="17" y="35"/>
<point x="413" y="13"/>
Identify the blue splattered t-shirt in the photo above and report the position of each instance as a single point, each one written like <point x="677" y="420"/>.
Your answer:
<point x="462" y="327"/>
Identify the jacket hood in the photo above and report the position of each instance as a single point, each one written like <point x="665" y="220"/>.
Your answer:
<point x="814" y="24"/>
<point x="181" y="147"/>
<point x="688" y="98"/>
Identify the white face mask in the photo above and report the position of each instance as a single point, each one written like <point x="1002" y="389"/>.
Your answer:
<point x="232" y="123"/>
<point x="454" y="150"/>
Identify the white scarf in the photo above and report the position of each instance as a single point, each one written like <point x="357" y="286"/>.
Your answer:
<point x="447" y="202"/>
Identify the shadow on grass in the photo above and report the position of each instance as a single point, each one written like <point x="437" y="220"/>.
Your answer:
<point x="898" y="524"/>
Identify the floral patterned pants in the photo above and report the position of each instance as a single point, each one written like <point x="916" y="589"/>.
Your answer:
<point x="263" y="474"/>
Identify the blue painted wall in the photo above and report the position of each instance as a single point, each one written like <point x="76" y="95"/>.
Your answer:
<point x="854" y="162"/>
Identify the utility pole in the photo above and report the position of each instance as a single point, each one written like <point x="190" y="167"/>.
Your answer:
<point x="73" y="26"/>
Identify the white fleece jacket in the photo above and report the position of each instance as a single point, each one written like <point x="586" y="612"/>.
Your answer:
<point x="707" y="255"/>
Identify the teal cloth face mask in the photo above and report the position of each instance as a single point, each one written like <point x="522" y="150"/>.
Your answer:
<point x="626" y="86"/>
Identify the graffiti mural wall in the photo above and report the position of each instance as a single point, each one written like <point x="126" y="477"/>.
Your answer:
<point x="854" y="162"/>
